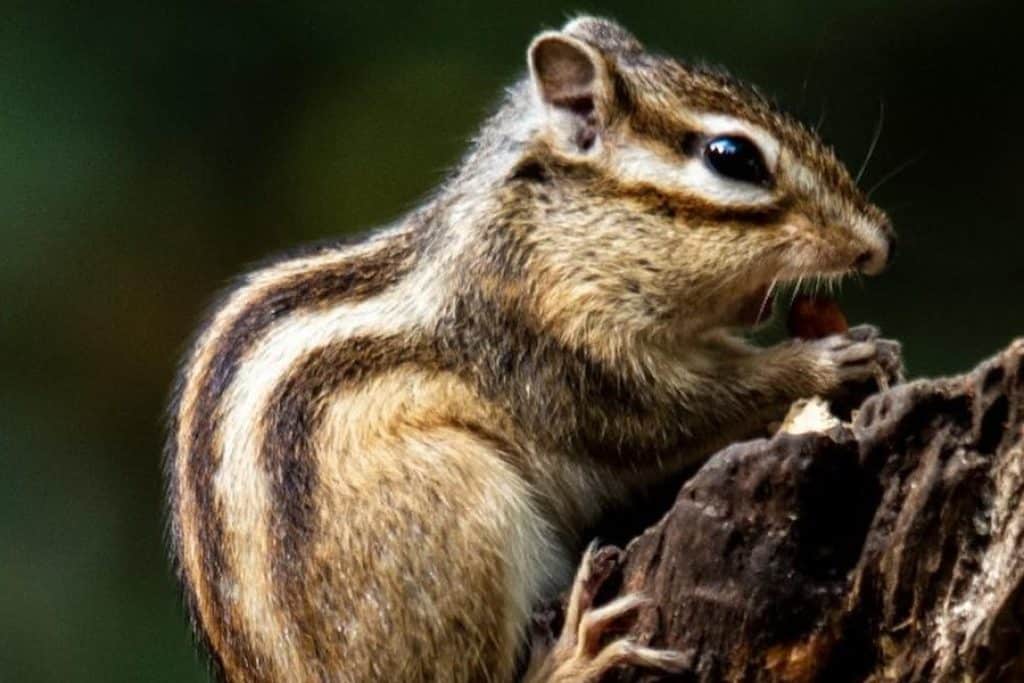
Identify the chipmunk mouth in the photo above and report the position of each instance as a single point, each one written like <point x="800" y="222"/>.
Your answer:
<point x="811" y="315"/>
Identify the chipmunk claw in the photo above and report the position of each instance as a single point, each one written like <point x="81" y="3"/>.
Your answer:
<point x="580" y="653"/>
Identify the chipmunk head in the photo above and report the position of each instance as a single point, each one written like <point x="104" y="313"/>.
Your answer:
<point x="673" y="196"/>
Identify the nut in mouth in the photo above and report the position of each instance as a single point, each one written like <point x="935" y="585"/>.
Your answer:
<point x="811" y="315"/>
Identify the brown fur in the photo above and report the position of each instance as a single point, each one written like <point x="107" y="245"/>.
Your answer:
<point x="381" y="455"/>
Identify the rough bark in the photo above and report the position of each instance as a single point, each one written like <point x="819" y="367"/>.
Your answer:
<point x="888" y="548"/>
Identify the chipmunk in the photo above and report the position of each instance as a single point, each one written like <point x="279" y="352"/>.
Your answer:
<point x="383" y="454"/>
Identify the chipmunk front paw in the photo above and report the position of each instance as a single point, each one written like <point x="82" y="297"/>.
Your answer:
<point x="859" y="356"/>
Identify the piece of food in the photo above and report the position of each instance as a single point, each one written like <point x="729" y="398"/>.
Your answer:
<point x="815" y="318"/>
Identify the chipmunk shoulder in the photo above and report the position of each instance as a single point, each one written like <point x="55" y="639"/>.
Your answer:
<point x="383" y="454"/>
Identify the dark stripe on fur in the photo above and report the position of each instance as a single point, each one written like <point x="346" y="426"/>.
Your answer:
<point x="294" y="418"/>
<point x="694" y="209"/>
<point x="688" y="207"/>
<point x="172" y="532"/>
<point x="360" y="279"/>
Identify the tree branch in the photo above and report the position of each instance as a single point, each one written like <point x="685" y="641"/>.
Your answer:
<point x="890" y="548"/>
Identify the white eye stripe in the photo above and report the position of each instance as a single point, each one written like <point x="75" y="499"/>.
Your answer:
<point x="639" y="164"/>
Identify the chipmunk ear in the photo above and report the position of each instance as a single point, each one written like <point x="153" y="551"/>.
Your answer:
<point x="571" y="80"/>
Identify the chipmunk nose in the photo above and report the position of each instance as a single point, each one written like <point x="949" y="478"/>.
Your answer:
<point x="874" y="260"/>
<point x="892" y="249"/>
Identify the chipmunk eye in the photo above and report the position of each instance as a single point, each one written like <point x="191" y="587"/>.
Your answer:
<point x="737" y="158"/>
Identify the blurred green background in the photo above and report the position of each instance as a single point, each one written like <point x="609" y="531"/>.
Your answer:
<point x="149" y="153"/>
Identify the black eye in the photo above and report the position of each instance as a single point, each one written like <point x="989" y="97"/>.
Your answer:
<point x="737" y="158"/>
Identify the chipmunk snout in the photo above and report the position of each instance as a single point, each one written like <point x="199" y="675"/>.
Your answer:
<point x="880" y="252"/>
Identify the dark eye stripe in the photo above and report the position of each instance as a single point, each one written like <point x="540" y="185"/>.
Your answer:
<point x="737" y="158"/>
<point x="690" y="144"/>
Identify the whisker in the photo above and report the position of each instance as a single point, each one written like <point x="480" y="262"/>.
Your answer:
<point x="819" y="48"/>
<point x="821" y="118"/>
<point x="874" y="141"/>
<point x="767" y="296"/>
<point x="796" y="289"/>
<point x="803" y="90"/>
<point x="893" y="173"/>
